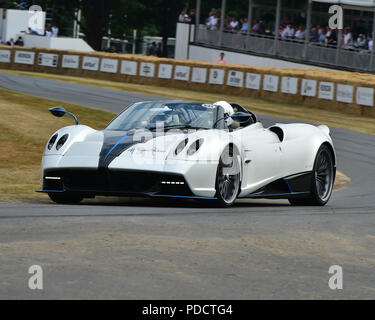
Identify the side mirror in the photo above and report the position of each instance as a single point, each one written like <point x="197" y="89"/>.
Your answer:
<point x="241" y="117"/>
<point x="60" y="112"/>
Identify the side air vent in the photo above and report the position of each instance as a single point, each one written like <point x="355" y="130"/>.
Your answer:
<point x="279" y="132"/>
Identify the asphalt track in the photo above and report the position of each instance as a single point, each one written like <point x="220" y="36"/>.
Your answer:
<point x="139" y="249"/>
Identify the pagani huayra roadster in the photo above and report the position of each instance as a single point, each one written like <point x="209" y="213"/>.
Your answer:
<point x="174" y="149"/>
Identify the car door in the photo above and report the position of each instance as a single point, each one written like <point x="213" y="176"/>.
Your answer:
<point x="261" y="156"/>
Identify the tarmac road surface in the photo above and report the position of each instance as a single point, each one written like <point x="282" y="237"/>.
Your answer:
<point x="138" y="249"/>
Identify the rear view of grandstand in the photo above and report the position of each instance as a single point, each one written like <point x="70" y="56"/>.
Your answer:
<point x="294" y="30"/>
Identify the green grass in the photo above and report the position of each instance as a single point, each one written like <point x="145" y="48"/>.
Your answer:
<point x="25" y="127"/>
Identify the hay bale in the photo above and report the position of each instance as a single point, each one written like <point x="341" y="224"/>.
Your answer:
<point x="354" y="79"/>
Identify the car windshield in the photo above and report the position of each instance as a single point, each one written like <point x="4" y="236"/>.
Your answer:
<point x="152" y="115"/>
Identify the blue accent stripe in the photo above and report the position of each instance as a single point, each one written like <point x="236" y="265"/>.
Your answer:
<point x="49" y="191"/>
<point x="290" y="189"/>
<point x="184" y="197"/>
<point x="113" y="148"/>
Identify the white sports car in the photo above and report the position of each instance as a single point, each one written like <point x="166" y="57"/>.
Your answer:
<point x="174" y="149"/>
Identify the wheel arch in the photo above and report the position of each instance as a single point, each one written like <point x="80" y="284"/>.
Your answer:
<point x="333" y="153"/>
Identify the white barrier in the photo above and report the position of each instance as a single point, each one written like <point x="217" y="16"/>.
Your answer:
<point x="325" y="90"/>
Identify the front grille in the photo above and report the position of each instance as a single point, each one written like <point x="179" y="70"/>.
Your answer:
<point x="105" y="181"/>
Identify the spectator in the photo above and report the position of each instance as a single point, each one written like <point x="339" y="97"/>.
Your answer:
<point x="370" y="42"/>
<point x="48" y="31"/>
<point x="152" y="49"/>
<point x="233" y="25"/>
<point x="300" y="34"/>
<point x="54" y="30"/>
<point x="244" y="25"/>
<point x="256" y="27"/>
<point x="19" y="42"/>
<point x="212" y="22"/>
<point x="361" y="42"/>
<point x="288" y="32"/>
<point x="10" y="42"/>
<point x="347" y="41"/>
<point x="192" y="17"/>
<point x="328" y="40"/>
<point x="221" y="59"/>
<point x="314" y="36"/>
<point x="183" y="17"/>
<point x="21" y="5"/>
<point x="34" y="32"/>
<point x="321" y="35"/>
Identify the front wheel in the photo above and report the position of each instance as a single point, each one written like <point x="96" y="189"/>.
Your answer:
<point x="323" y="177"/>
<point x="228" y="177"/>
<point x="65" y="198"/>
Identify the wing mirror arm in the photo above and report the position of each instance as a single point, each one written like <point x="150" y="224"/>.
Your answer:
<point x="60" y="112"/>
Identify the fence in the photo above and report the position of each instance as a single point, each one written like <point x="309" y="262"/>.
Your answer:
<point x="343" y="91"/>
<point x="357" y="60"/>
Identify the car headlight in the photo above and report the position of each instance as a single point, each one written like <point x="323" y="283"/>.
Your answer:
<point x="52" y="141"/>
<point x="194" y="147"/>
<point x="62" y="141"/>
<point x="181" y="146"/>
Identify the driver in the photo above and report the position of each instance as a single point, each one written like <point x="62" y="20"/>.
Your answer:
<point x="228" y="111"/>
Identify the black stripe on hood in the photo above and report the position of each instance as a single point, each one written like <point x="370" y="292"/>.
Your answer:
<point x="114" y="144"/>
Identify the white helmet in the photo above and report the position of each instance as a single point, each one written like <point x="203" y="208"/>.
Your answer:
<point x="228" y="111"/>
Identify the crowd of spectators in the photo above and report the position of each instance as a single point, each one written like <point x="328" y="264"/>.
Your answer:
<point x="51" y="30"/>
<point x="154" y="49"/>
<point x="184" y="17"/>
<point x="319" y="34"/>
<point x="325" y="36"/>
<point x="12" y="42"/>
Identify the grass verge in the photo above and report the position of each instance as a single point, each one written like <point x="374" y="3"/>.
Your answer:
<point x="297" y="112"/>
<point x="25" y="126"/>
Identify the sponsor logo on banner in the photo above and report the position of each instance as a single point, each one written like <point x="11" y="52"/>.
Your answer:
<point x="199" y="75"/>
<point x="270" y="83"/>
<point x="253" y="81"/>
<point x="129" y="67"/>
<point x="182" y="73"/>
<point x="90" y="63"/>
<point x="308" y="88"/>
<point x="5" y="56"/>
<point x="70" y="61"/>
<point x="24" y="57"/>
<point x="109" y="65"/>
<point x="235" y="78"/>
<point x="147" y="69"/>
<point x="165" y="71"/>
<point x="289" y="85"/>
<point x="326" y="90"/>
<point x="216" y="76"/>
<point x="365" y="96"/>
<point x="344" y="93"/>
<point x="48" y="59"/>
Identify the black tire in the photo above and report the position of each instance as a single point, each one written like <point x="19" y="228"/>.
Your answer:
<point x="228" y="177"/>
<point x="65" y="198"/>
<point x="322" y="181"/>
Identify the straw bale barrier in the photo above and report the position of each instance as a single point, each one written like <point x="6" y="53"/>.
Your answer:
<point x="348" y="92"/>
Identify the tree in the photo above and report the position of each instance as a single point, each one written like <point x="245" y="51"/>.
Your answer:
<point x="164" y="15"/>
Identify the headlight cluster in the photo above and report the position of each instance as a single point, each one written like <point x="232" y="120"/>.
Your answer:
<point x="52" y="141"/>
<point x="181" y="146"/>
<point x="61" y="141"/>
<point x="194" y="147"/>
